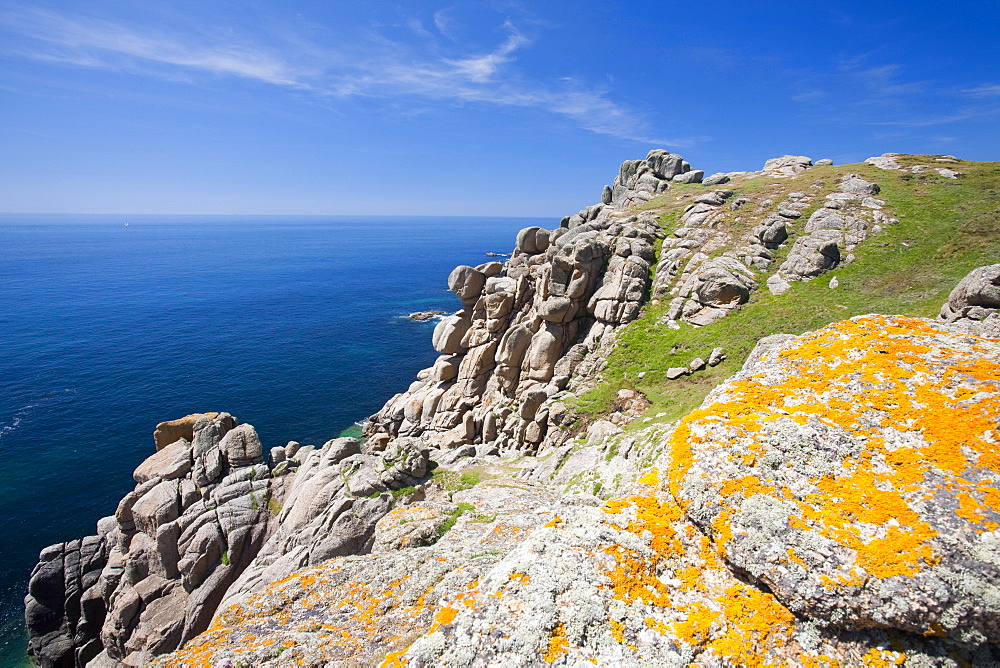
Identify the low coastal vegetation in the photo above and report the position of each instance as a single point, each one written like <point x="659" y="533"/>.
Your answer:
<point x="946" y="227"/>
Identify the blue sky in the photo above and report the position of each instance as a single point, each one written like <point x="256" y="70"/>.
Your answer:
<point x="469" y="108"/>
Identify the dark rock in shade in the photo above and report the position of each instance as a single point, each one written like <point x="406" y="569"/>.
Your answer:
<point x="64" y="610"/>
<point x="606" y="195"/>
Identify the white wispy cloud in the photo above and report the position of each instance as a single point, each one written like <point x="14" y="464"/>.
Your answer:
<point x="859" y="91"/>
<point x="95" y="43"/>
<point x="371" y="66"/>
<point x="984" y="90"/>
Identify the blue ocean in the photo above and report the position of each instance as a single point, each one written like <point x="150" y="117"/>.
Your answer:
<point x="111" y="324"/>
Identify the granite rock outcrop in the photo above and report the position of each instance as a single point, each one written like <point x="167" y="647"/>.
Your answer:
<point x="833" y="503"/>
<point x="209" y="520"/>
<point x="797" y="517"/>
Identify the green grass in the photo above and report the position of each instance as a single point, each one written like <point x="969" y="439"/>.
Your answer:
<point x="452" y="481"/>
<point x="946" y="228"/>
<point x="402" y="491"/>
<point x="452" y="518"/>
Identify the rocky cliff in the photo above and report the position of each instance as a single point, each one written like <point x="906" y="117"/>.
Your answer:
<point x="821" y="506"/>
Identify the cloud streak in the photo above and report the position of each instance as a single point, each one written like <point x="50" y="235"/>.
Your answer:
<point x="885" y="95"/>
<point x="94" y="42"/>
<point x="372" y="67"/>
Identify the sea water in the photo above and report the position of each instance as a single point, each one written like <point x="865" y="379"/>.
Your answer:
<point x="111" y="324"/>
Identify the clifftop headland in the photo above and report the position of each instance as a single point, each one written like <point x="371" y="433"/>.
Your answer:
<point x="532" y="496"/>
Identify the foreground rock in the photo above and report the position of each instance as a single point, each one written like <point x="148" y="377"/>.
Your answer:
<point x="821" y="508"/>
<point x="854" y="473"/>
<point x="195" y="531"/>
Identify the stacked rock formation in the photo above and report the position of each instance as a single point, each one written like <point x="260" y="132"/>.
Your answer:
<point x="158" y="568"/>
<point x="196" y="529"/>
<point x="526" y="325"/>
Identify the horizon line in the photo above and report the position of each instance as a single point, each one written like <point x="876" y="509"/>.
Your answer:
<point x="274" y="215"/>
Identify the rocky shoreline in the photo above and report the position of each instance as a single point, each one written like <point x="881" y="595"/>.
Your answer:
<point x="481" y="498"/>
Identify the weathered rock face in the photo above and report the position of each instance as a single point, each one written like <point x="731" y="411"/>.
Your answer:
<point x="331" y="508"/>
<point x="64" y="609"/>
<point x="151" y="577"/>
<point x="531" y="325"/>
<point x="355" y="610"/>
<point x="194" y="532"/>
<point x="172" y="431"/>
<point x="847" y="219"/>
<point x="639" y="181"/>
<point x="834" y="504"/>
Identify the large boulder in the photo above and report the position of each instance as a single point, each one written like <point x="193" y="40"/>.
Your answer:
<point x="813" y="255"/>
<point x="665" y="164"/>
<point x="171" y="431"/>
<point x="975" y="296"/>
<point x="242" y="446"/>
<point x="787" y="165"/>
<point x="466" y="282"/>
<point x="853" y="472"/>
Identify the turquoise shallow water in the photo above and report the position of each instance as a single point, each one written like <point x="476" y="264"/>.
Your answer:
<point x="293" y="324"/>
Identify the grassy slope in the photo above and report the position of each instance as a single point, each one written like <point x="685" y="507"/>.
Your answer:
<point x="946" y="227"/>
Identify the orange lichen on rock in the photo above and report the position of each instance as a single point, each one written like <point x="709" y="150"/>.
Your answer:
<point x="740" y="623"/>
<point x="869" y="378"/>
<point x="881" y="658"/>
<point x="557" y="644"/>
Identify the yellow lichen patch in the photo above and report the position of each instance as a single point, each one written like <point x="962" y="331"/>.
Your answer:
<point x="618" y="633"/>
<point x="394" y="660"/>
<point x="557" y="644"/>
<point x="695" y="628"/>
<point x="821" y="661"/>
<point x="633" y="578"/>
<point x="755" y="622"/>
<point x="882" y="658"/>
<point x="347" y="620"/>
<point x="969" y="508"/>
<point x="873" y="379"/>
<point x="650" y="477"/>
<point x="555" y="523"/>
<point x="794" y="558"/>
<point x="445" y="615"/>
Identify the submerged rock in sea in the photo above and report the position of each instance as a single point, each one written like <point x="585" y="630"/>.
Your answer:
<point x="422" y="316"/>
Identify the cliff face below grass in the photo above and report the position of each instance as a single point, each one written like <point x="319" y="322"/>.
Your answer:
<point x="533" y="498"/>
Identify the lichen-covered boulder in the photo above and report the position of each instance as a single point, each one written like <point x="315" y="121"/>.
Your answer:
<point x="855" y="472"/>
